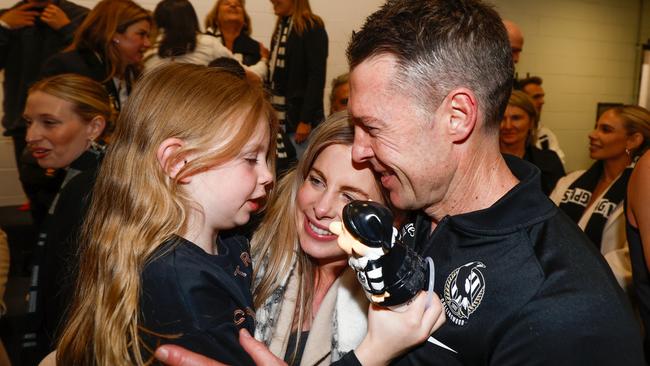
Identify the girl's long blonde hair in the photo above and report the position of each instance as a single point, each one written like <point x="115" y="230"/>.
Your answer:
<point x="275" y="243"/>
<point x="136" y="206"/>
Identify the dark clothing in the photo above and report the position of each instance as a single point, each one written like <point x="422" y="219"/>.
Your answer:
<point x="549" y="164"/>
<point x="86" y="63"/>
<point x="302" y="81"/>
<point x="22" y="53"/>
<point x="522" y="285"/>
<point x="197" y="300"/>
<point x="56" y="256"/>
<point x="248" y="48"/>
<point x="640" y="281"/>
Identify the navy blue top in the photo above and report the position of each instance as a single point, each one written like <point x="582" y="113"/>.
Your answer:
<point x="197" y="300"/>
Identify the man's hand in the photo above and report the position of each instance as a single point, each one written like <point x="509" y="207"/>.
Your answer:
<point x="264" y="52"/>
<point x="20" y="16"/>
<point x="54" y="17"/>
<point x="178" y="356"/>
<point x="302" y="132"/>
<point x="391" y="333"/>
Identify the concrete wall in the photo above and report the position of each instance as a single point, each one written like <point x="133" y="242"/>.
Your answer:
<point x="585" y="50"/>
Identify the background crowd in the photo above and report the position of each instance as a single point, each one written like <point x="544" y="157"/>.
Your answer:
<point x="80" y="84"/>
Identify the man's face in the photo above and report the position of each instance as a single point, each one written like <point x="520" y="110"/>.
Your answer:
<point x="406" y="147"/>
<point x="536" y="93"/>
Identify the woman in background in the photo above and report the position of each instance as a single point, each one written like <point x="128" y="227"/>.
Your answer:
<point x="594" y="198"/>
<point x="181" y="40"/>
<point x="108" y="47"/>
<point x="66" y="115"/>
<point x="517" y="137"/>
<point x="297" y="69"/>
<point x="229" y="21"/>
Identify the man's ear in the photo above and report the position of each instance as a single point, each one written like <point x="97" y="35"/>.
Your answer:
<point x="463" y="114"/>
<point x="169" y="161"/>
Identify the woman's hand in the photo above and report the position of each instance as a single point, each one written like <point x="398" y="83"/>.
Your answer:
<point x="178" y="356"/>
<point x="391" y="333"/>
<point x="264" y="52"/>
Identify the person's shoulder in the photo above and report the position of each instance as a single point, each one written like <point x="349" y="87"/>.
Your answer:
<point x="69" y="6"/>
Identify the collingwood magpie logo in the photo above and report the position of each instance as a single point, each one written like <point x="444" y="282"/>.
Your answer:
<point x="464" y="290"/>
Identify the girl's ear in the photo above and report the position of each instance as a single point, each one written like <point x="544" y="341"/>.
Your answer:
<point x="169" y="161"/>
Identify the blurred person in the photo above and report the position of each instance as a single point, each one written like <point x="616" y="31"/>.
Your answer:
<point x="546" y="139"/>
<point x="66" y="116"/>
<point x="108" y="47"/>
<point x="638" y="237"/>
<point x="299" y="49"/>
<point x="229" y="21"/>
<point x="30" y="32"/>
<point x="180" y="39"/>
<point x="340" y="93"/>
<point x="594" y="198"/>
<point x="517" y="137"/>
<point x="516" y="39"/>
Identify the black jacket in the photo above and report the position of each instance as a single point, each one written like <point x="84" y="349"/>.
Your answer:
<point x="522" y="285"/>
<point x="549" y="164"/>
<point x="85" y="63"/>
<point x="22" y="53"/>
<point x="56" y="258"/>
<point x="306" y="63"/>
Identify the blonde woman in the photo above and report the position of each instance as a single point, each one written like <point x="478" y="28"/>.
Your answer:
<point x="191" y="157"/>
<point x="594" y="198"/>
<point x="65" y="115"/>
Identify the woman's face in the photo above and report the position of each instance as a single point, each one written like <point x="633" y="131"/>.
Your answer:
<point x="133" y="42"/>
<point x="609" y="139"/>
<point x="56" y="135"/>
<point x="332" y="182"/>
<point x="230" y="10"/>
<point x="515" y="126"/>
<point x="282" y="8"/>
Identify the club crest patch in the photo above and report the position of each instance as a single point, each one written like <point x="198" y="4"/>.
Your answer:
<point x="464" y="290"/>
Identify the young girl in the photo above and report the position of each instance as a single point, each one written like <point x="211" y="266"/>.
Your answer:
<point x="191" y="157"/>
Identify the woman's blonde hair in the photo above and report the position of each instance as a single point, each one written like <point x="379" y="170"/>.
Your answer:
<point x="275" y="243"/>
<point x="302" y="17"/>
<point x="636" y="119"/>
<point x="212" y="19"/>
<point x="136" y="206"/>
<point x="88" y="97"/>
<point x="96" y="32"/>
<point x="522" y="100"/>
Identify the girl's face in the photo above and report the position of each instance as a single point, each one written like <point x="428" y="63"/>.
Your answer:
<point x="609" y="139"/>
<point x="56" y="135"/>
<point x="282" y="8"/>
<point x="230" y="10"/>
<point x="515" y="126"/>
<point x="230" y="192"/>
<point x="332" y="182"/>
<point x="133" y="42"/>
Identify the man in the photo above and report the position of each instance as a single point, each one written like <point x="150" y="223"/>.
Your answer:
<point x="546" y="139"/>
<point x="30" y="32"/>
<point x="340" y="93"/>
<point x="516" y="38"/>
<point x="520" y="283"/>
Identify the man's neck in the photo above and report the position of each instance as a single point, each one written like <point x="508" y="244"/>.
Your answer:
<point x="482" y="178"/>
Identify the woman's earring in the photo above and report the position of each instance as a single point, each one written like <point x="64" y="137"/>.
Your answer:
<point x="627" y="151"/>
<point x="95" y="147"/>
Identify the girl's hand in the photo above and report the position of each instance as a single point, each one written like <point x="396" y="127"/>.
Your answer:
<point x="391" y="333"/>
